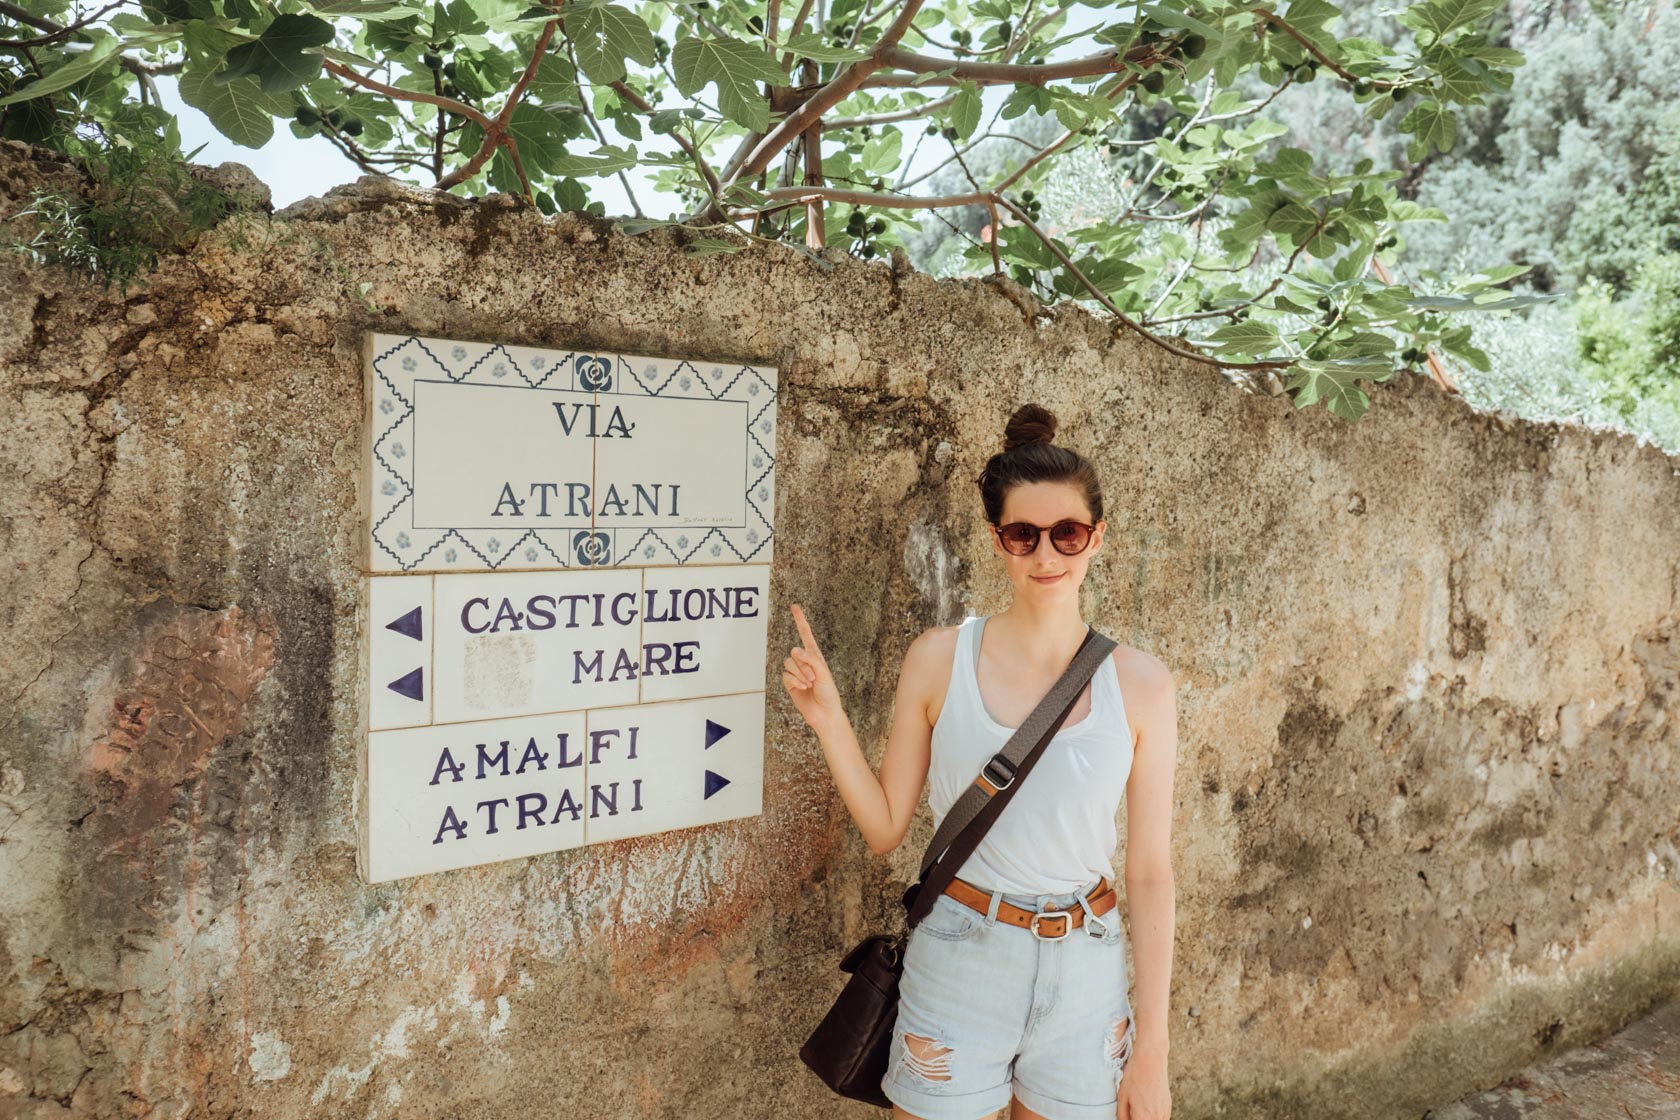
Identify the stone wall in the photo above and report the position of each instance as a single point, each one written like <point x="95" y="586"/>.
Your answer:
<point x="1427" y="807"/>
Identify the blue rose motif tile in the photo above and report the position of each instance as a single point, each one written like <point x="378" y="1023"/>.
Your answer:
<point x="459" y="353"/>
<point x="531" y="555"/>
<point x="763" y="494"/>
<point x="594" y="373"/>
<point x="684" y="381"/>
<point x="591" y="549"/>
<point x="752" y="536"/>
<point x="648" y="552"/>
<point x="758" y="461"/>
<point x="499" y="370"/>
<point x="387" y="405"/>
<point x="387" y="487"/>
<point x="409" y="365"/>
<point x="398" y="451"/>
<point x="450" y="555"/>
<point x="717" y="549"/>
<point x="539" y="362"/>
<point x="493" y="544"/>
<point x="403" y="541"/>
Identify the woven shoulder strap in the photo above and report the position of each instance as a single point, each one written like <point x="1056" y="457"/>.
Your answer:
<point x="963" y="827"/>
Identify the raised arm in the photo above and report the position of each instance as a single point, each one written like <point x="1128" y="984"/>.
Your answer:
<point x="881" y="806"/>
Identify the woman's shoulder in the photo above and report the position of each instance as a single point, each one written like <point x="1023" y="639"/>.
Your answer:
<point x="931" y="656"/>
<point x="934" y="645"/>
<point x="927" y="668"/>
<point x="1144" y="678"/>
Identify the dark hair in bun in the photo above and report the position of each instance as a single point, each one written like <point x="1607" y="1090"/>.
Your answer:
<point x="1029" y="456"/>
<point x="1031" y="424"/>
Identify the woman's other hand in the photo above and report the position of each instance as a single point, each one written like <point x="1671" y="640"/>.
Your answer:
<point x="808" y="680"/>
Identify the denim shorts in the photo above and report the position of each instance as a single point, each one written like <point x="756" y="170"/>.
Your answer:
<point x="991" y="1009"/>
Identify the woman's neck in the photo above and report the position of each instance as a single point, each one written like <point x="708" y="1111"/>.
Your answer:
<point x="1041" y="638"/>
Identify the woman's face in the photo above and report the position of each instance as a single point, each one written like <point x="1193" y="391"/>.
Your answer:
<point x="1046" y="575"/>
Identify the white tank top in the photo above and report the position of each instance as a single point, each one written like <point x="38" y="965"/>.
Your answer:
<point x="1057" y="832"/>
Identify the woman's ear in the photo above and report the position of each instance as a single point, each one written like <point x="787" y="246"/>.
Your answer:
<point x="1099" y="533"/>
<point x="991" y="535"/>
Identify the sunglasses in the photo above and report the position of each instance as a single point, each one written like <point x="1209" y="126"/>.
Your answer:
<point x="1067" y="537"/>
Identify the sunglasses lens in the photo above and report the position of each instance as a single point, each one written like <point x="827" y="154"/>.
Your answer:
<point x="1019" y="537"/>
<point x="1069" y="537"/>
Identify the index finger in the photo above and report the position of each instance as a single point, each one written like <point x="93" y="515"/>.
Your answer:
<point x="805" y="630"/>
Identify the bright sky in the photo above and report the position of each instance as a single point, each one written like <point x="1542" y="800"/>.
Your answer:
<point x="295" y="169"/>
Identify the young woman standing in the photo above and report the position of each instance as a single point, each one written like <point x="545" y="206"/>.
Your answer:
<point x="1015" y="984"/>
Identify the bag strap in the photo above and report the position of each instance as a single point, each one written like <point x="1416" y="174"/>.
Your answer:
<point x="965" y="824"/>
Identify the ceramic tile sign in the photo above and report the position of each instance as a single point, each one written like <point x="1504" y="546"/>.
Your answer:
<point x="488" y="457"/>
<point x="513" y="713"/>
<point x="524" y="643"/>
<point x="566" y="599"/>
<point x="458" y="794"/>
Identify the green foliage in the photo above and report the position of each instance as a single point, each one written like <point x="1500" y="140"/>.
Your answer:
<point x="142" y="200"/>
<point x="1577" y="173"/>
<point x="1632" y="345"/>
<point x="507" y="95"/>
<point x="1531" y="376"/>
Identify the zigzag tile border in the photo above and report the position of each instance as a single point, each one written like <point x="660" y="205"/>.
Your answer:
<point x="395" y="544"/>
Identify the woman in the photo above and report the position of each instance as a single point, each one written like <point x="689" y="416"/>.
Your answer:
<point x="996" y="1006"/>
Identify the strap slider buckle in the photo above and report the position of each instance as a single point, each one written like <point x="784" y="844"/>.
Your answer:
<point x="998" y="772"/>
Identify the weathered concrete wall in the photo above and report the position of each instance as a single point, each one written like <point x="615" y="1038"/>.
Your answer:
<point x="1427" y="807"/>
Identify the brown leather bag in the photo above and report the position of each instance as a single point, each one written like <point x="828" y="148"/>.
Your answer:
<point x="850" y="1047"/>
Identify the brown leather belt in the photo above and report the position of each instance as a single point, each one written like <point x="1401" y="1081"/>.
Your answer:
<point x="1046" y="925"/>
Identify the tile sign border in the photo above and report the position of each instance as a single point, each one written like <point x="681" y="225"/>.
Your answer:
<point x="395" y="541"/>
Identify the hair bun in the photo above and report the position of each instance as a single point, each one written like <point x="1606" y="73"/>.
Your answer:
<point x="1031" y="423"/>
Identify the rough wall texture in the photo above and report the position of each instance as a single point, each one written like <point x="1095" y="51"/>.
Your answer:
<point x="1426" y="810"/>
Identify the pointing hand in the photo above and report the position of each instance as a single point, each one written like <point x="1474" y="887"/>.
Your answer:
<point x="808" y="680"/>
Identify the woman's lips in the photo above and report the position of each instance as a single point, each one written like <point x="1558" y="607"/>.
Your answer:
<point x="1049" y="579"/>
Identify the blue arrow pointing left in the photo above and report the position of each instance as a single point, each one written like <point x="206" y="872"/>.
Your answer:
<point x="408" y="624"/>
<point x="409" y="685"/>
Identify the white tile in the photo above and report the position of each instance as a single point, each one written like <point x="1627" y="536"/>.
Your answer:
<point x="704" y="630"/>
<point x="500" y="459"/>
<point x="398" y="650"/>
<point x="650" y="768"/>
<point x="401" y="541"/>
<point x="665" y="463"/>
<point x="723" y="452"/>
<point x="434" y="793"/>
<point x="516" y="643"/>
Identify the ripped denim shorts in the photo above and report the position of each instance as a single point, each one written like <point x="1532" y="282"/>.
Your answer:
<point x="987" y="1009"/>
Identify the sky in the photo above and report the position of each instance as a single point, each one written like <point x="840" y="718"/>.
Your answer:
<point x="295" y="169"/>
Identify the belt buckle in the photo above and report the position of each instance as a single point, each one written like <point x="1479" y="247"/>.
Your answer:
<point x="1067" y="927"/>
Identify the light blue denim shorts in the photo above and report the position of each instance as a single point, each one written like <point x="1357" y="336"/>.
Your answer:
<point x="992" y="1009"/>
